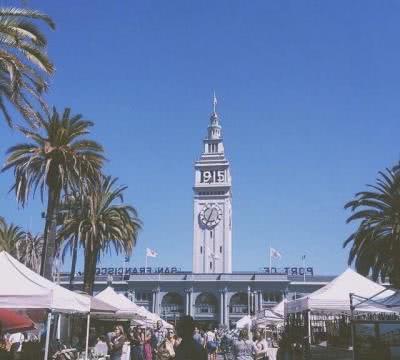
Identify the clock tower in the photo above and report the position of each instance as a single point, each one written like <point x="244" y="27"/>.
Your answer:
<point x="212" y="208"/>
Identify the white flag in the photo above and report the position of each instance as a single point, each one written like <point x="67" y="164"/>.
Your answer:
<point x="151" y="253"/>
<point x="275" y="254"/>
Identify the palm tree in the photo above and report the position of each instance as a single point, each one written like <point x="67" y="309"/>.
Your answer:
<point x="72" y="207"/>
<point x="375" y="243"/>
<point x="104" y="223"/>
<point x="24" y="64"/>
<point x="57" y="159"/>
<point x="10" y="237"/>
<point x="30" y="251"/>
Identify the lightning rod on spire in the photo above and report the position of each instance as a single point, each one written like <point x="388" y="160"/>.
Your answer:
<point x="214" y="103"/>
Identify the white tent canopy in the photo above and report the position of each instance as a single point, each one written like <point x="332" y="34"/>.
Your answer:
<point x="390" y="303"/>
<point x="335" y="296"/>
<point x="151" y="317"/>
<point x="244" y="322"/>
<point x="279" y="308"/>
<point x="126" y="308"/>
<point x="21" y="288"/>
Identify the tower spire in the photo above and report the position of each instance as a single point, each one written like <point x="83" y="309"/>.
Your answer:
<point x="214" y="129"/>
<point x="214" y="104"/>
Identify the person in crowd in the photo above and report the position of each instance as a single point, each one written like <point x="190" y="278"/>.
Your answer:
<point x="217" y="338"/>
<point x="157" y="337"/>
<point x="166" y="350"/>
<point x="4" y="354"/>
<point x="226" y="344"/>
<point x="197" y="336"/>
<point x="211" y="343"/>
<point x="101" y="347"/>
<point x="147" y="348"/>
<point x="16" y="340"/>
<point x="261" y="345"/>
<point x="177" y="341"/>
<point x="243" y="348"/>
<point x="137" y="342"/>
<point x="117" y="343"/>
<point x="188" y="349"/>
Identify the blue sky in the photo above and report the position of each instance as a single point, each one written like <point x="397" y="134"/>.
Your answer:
<point x="307" y="94"/>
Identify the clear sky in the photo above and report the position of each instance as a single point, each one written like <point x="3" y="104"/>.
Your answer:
<point x="308" y="95"/>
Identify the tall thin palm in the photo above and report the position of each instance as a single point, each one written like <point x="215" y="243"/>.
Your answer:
<point x="72" y="207"/>
<point x="375" y="244"/>
<point x="30" y="250"/>
<point x="10" y="237"/>
<point x="104" y="224"/>
<point x="56" y="160"/>
<point x="24" y="64"/>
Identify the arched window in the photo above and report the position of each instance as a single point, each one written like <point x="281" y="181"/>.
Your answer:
<point x="206" y="303"/>
<point x="238" y="304"/>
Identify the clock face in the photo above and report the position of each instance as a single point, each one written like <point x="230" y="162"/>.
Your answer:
<point x="210" y="215"/>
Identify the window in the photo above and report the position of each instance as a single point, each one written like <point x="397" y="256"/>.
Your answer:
<point x="220" y="249"/>
<point x="211" y="234"/>
<point x="210" y="265"/>
<point x="201" y="249"/>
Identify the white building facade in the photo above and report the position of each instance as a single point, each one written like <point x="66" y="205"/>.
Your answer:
<point x="211" y="293"/>
<point x="212" y="205"/>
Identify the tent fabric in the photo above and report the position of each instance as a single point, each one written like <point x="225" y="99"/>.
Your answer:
<point x="270" y="318"/>
<point x="243" y="322"/>
<point x="390" y="303"/>
<point x="10" y="321"/>
<point x="125" y="307"/>
<point x="21" y="288"/>
<point x="128" y="309"/>
<point x="151" y="318"/>
<point x="140" y="310"/>
<point x="335" y="296"/>
<point x="279" y="308"/>
<point x="98" y="306"/>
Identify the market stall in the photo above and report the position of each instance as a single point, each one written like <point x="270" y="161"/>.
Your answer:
<point x="324" y="315"/>
<point x="21" y="288"/>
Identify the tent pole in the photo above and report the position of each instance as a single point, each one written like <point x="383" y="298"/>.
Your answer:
<point x="87" y="336"/>
<point x="46" y="348"/>
<point x="59" y="327"/>
<point x="352" y="325"/>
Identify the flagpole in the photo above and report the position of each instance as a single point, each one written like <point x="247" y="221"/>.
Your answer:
<point x="145" y="262"/>
<point x="304" y="268"/>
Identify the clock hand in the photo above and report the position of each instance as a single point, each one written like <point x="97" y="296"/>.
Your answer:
<point x="208" y="219"/>
<point x="212" y="212"/>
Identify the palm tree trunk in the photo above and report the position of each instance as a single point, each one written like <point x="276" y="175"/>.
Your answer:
<point x="90" y="270"/>
<point x="50" y="229"/>
<point x="73" y="264"/>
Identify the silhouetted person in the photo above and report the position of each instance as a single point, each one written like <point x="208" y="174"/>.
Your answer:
<point x="188" y="349"/>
